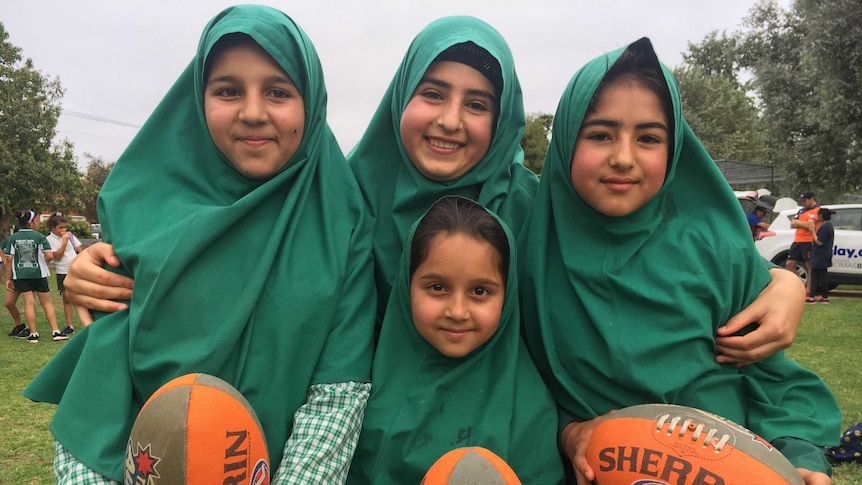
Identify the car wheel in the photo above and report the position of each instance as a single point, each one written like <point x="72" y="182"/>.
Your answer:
<point x="781" y="260"/>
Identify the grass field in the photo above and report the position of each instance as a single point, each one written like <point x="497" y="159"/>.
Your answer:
<point x="827" y="343"/>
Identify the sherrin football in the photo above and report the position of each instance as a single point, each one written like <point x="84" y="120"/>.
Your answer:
<point x="470" y="466"/>
<point x="196" y="429"/>
<point x="666" y="444"/>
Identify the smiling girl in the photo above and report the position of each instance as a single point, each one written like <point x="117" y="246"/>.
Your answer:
<point x="236" y="214"/>
<point x="450" y="369"/>
<point x="638" y="253"/>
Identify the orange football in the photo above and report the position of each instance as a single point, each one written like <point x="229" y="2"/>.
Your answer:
<point x="196" y="429"/>
<point x="664" y="444"/>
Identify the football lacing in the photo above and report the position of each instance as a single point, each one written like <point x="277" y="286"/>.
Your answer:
<point x="696" y="430"/>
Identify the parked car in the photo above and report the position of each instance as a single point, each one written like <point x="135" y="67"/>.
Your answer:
<point x="749" y="199"/>
<point x="774" y="244"/>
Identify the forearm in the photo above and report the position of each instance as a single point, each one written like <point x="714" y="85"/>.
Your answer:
<point x="325" y="431"/>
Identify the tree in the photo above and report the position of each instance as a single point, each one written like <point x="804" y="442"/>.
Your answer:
<point x="96" y="174"/>
<point x="724" y="118"/>
<point x="34" y="174"/>
<point x="806" y="65"/>
<point x="536" y="139"/>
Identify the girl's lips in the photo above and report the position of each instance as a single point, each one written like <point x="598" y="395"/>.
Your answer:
<point x="619" y="184"/>
<point x="454" y="334"/>
<point x="254" y="142"/>
<point x="443" y="145"/>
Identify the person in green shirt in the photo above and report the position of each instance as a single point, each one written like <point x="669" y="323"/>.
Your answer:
<point x="237" y="215"/>
<point x="634" y="255"/>
<point x="450" y="369"/>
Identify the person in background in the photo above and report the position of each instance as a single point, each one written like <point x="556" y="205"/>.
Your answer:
<point x="28" y="273"/>
<point x="756" y="222"/>
<point x="821" y="257"/>
<point x="805" y="225"/>
<point x="65" y="247"/>
<point x="20" y="330"/>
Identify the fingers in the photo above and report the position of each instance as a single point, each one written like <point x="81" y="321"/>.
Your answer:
<point x="777" y="311"/>
<point x="88" y="284"/>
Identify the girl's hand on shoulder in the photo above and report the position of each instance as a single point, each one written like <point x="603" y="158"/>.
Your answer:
<point x="573" y="443"/>
<point x="814" y="478"/>
<point x="89" y="285"/>
<point x="777" y="309"/>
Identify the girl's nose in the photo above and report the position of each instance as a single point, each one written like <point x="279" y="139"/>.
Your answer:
<point x="457" y="309"/>
<point x="623" y="158"/>
<point x="253" y="110"/>
<point x="449" y="118"/>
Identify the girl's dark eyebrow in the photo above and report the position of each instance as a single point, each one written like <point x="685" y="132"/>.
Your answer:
<point x="444" y="85"/>
<point x="615" y="123"/>
<point x="270" y="80"/>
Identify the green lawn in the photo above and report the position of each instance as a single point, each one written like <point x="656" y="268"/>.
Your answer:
<point x="827" y="343"/>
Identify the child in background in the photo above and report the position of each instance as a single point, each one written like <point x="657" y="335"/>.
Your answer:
<point x="279" y="309"/>
<point x="450" y="369"/>
<point x="30" y="253"/>
<point x="65" y="247"/>
<point x="20" y="330"/>
<point x="821" y="256"/>
<point x="623" y="291"/>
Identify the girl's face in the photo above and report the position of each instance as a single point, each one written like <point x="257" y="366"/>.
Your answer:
<point x="59" y="229"/>
<point x="620" y="157"/>
<point x="447" y="125"/>
<point x="457" y="294"/>
<point x="253" y="110"/>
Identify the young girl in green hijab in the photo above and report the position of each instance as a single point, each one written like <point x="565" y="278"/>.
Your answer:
<point x="450" y="123"/>
<point x="635" y="252"/>
<point x="450" y="369"/>
<point x="238" y="217"/>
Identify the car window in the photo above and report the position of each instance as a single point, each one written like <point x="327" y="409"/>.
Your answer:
<point x="847" y="219"/>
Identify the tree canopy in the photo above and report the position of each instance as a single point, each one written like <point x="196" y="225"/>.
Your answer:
<point x="35" y="173"/>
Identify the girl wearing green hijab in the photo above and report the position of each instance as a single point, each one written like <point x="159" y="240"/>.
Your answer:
<point x="450" y="369"/>
<point x="450" y="123"/>
<point x="635" y="252"/>
<point x="237" y="215"/>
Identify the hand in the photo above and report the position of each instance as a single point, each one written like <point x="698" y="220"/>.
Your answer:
<point x="10" y="286"/>
<point x="91" y="286"/>
<point x="814" y="478"/>
<point x="573" y="442"/>
<point x="778" y="309"/>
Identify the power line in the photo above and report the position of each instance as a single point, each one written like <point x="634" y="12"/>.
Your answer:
<point x="77" y="114"/>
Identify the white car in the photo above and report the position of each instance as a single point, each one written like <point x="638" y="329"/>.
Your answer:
<point x="774" y="244"/>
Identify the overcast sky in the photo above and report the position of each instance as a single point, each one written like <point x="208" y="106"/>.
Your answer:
<point x="117" y="58"/>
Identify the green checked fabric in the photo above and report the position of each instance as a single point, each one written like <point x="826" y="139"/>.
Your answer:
<point x="265" y="284"/>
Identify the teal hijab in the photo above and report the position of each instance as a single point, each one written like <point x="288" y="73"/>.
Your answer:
<point x="263" y="283"/>
<point x="396" y="192"/>
<point x="424" y="404"/>
<point x="623" y="310"/>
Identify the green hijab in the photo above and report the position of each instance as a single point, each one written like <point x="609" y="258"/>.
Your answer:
<point x="424" y="404"/>
<point x="396" y="192"/>
<point x="263" y="283"/>
<point x="623" y="310"/>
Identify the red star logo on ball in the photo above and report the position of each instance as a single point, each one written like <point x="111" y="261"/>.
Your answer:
<point x="145" y="463"/>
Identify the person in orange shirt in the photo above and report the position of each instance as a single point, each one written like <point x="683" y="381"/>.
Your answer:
<point x="805" y="225"/>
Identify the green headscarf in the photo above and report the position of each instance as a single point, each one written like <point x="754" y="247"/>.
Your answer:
<point x="263" y="283"/>
<point x="424" y="404"/>
<point x="623" y="310"/>
<point x="396" y="192"/>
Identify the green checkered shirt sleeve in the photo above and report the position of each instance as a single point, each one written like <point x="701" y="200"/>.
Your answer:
<point x="69" y="471"/>
<point x="325" y="431"/>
